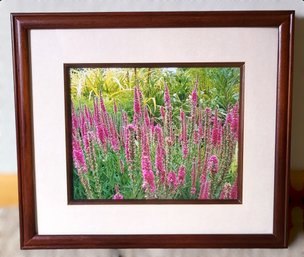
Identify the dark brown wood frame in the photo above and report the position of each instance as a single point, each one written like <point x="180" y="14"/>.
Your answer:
<point x="68" y="126"/>
<point x="23" y="23"/>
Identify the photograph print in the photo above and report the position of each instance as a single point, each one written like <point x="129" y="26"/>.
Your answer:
<point x="155" y="132"/>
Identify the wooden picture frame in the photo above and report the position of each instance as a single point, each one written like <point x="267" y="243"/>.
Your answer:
<point x="24" y="24"/>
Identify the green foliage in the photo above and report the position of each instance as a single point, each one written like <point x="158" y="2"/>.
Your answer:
<point x="217" y="87"/>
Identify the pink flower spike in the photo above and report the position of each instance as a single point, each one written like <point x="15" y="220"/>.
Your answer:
<point x="146" y="166"/>
<point x="118" y="196"/>
<point x="181" y="175"/>
<point x="137" y="104"/>
<point x="185" y="150"/>
<point x="207" y="111"/>
<point x="194" y="97"/>
<point x="193" y="190"/>
<point x="195" y="136"/>
<point x="213" y="164"/>
<point x="163" y="113"/>
<point x="159" y="134"/>
<point x="167" y="96"/>
<point x="114" y="136"/>
<point x="148" y="175"/>
<point x="171" y="179"/>
<point x="79" y="158"/>
<point x="146" y="117"/>
<point x="129" y="132"/>
<point x="206" y="191"/>
<point x="124" y="118"/>
<point x="183" y="136"/>
<point x="229" y="118"/>
<point x="102" y="105"/>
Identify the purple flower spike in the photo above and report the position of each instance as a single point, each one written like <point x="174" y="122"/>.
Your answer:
<point x="213" y="164"/>
<point x="181" y="175"/>
<point x="137" y="105"/>
<point x="79" y="158"/>
<point x="194" y="97"/>
<point x="205" y="194"/>
<point x="118" y="196"/>
<point x="171" y="179"/>
<point x="167" y="97"/>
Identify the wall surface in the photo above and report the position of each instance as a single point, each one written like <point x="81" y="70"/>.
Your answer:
<point x="8" y="162"/>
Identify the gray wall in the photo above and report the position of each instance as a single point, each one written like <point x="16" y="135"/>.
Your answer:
<point x="7" y="118"/>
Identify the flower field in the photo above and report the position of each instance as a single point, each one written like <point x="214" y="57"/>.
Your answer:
<point x="138" y="144"/>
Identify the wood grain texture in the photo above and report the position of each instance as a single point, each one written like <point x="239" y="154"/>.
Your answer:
<point x="23" y="23"/>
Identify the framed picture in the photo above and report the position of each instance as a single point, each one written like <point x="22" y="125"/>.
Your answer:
<point x="153" y="130"/>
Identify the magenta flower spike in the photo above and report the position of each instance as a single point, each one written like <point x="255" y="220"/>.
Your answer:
<point x="184" y="140"/>
<point x="160" y="154"/>
<point x="194" y="101"/>
<point x="220" y="133"/>
<point x="137" y="104"/>
<point x="96" y="113"/>
<point x="148" y="176"/>
<point x="88" y="115"/>
<point x="171" y="180"/>
<point x="181" y="175"/>
<point x="101" y="134"/>
<point x="207" y="111"/>
<point x="205" y="193"/>
<point x="79" y="158"/>
<point x="146" y="117"/>
<point x="167" y="96"/>
<point x="125" y="119"/>
<point x="85" y="138"/>
<point x="194" y="97"/>
<point x="114" y="136"/>
<point x="102" y="105"/>
<point x="146" y="166"/>
<point x="229" y="118"/>
<point x="118" y="196"/>
<point x="184" y="126"/>
<point x="159" y="135"/>
<point x="196" y="136"/>
<point x="213" y="164"/>
<point x="162" y="113"/>
<point x="130" y="143"/>
<point x="144" y="140"/>
<point x="105" y="124"/>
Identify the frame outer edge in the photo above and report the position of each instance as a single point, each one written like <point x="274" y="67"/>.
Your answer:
<point x="21" y="24"/>
<point x="24" y="129"/>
